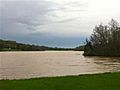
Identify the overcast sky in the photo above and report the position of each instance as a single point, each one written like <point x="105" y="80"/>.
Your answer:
<point x="61" y="23"/>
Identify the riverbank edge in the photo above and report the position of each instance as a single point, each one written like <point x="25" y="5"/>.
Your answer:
<point x="102" y="81"/>
<point x="105" y="73"/>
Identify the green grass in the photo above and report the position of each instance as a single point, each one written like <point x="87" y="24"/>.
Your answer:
<point x="107" y="81"/>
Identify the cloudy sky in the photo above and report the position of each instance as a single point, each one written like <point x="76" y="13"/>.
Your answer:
<point x="61" y="23"/>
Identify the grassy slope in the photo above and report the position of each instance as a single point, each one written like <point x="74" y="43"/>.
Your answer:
<point x="85" y="82"/>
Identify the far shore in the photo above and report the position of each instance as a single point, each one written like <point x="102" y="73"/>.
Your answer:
<point x="46" y="51"/>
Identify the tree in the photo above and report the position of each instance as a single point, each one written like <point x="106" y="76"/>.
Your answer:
<point x="105" y="40"/>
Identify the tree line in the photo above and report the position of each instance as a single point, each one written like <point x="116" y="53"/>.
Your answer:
<point x="8" y="45"/>
<point x="105" y="40"/>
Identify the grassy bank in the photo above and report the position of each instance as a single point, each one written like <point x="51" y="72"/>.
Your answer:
<point x="107" y="81"/>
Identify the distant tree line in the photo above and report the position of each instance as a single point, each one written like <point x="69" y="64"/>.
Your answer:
<point x="8" y="45"/>
<point x="105" y="40"/>
<point x="79" y="48"/>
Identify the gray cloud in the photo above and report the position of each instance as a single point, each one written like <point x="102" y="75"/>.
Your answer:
<point x="30" y="14"/>
<point x="41" y="21"/>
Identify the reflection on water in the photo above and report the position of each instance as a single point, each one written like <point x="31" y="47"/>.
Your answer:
<point x="19" y="65"/>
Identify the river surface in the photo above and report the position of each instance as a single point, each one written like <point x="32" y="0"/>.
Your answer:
<point x="20" y="65"/>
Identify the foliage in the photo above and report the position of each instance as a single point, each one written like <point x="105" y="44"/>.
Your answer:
<point x="14" y="46"/>
<point x="8" y="45"/>
<point x="79" y="48"/>
<point x="105" y="40"/>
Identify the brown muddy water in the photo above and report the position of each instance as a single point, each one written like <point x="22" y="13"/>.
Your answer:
<point x="20" y="65"/>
